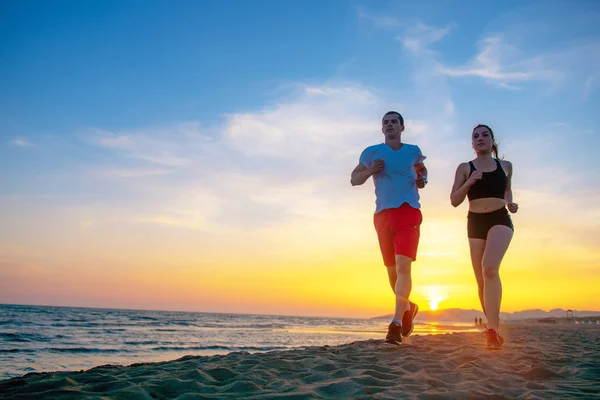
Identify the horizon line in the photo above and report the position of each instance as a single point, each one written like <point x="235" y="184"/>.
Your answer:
<point x="284" y="315"/>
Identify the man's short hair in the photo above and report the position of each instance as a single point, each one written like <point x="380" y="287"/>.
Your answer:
<point x="400" y="118"/>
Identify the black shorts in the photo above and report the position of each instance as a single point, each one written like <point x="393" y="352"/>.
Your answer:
<point x="479" y="224"/>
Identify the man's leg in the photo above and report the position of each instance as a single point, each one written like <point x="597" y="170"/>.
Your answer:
<point x="404" y="223"/>
<point x="406" y="243"/>
<point x="403" y="285"/>
<point x="392" y="276"/>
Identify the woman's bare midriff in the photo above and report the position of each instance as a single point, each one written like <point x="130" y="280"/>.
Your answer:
<point x="486" y="205"/>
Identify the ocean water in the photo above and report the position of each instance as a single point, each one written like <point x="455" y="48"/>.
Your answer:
<point x="44" y="339"/>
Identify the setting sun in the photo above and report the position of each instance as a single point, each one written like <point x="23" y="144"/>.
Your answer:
<point x="435" y="295"/>
<point x="434" y="304"/>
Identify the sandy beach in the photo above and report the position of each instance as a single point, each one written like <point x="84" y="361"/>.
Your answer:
<point x="538" y="362"/>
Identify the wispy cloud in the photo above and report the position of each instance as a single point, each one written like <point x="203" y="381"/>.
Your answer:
<point x="501" y="63"/>
<point x="309" y="128"/>
<point x="130" y="173"/>
<point x="506" y="66"/>
<point x="108" y="139"/>
<point x="21" y="142"/>
<point x="163" y="145"/>
<point x="380" y="21"/>
<point x="420" y="37"/>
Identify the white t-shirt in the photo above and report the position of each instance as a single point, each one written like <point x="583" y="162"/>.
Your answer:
<point x="394" y="185"/>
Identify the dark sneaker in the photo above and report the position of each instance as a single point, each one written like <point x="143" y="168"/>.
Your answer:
<point x="394" y="335"/>
<point x="408" y="319"/>
<point x="493" y="340"/>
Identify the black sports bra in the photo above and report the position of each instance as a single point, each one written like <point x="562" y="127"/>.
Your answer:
<point x="492" y="184"/>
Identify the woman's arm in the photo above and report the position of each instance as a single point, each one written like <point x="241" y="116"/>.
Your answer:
<point x="508" y="195"/>
<point x="462" y="184"/>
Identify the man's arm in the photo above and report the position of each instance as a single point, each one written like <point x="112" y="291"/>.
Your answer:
<point x="421" y="171"/>
<point x="361" y="173"/>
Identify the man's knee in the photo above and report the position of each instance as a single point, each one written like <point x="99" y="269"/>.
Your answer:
<point x="403" y="265"/>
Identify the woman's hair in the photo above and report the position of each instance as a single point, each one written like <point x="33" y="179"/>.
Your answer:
<point x="494" y="144"/>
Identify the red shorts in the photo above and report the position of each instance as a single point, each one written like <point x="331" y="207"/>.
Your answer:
<point x="398" y="231"/>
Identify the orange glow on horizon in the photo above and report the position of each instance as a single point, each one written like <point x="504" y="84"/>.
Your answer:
<point x="321" y="278"/>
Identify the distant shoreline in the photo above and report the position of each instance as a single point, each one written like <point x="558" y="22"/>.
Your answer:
<point x="563" y="320"/>
<point x="468" y="316"/>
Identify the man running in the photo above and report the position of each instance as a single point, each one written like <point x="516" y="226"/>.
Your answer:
<point x="398" y="172"/>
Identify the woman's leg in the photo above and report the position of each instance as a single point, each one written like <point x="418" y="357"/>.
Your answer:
<point x="498" y="239"/>
<point x="477" y="247"/>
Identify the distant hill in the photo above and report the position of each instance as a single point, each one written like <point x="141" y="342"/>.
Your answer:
<point x="460" y="315"/>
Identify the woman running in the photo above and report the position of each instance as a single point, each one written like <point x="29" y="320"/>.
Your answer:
<point x="486" y="181"/>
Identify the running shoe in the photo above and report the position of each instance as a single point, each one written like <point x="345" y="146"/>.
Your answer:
<point x="493" y="340"/>
<point x="408" y="319"/>
<point x="394" y="335"/>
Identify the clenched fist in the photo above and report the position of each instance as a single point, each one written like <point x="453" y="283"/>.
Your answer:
<point x="475" y="176"/>
<point x="378" y="166"/>
<point x="421" y="181"/>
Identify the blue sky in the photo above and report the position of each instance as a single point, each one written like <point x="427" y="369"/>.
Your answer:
<point x="135" y="121"/>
